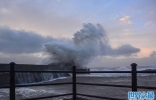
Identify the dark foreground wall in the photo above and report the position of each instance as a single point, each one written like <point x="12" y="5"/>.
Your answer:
<point x="4" y="79"/>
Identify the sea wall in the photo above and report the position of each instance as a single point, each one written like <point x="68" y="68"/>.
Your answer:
<point x="26" y="78"/>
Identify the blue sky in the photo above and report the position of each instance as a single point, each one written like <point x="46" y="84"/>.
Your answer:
<point x="125" y="21"/>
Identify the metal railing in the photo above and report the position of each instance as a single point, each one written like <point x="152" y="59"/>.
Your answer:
<point x="74" y="83"/>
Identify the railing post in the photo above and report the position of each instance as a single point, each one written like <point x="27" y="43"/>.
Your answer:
<point x="12" y="81"/>
<point x="74" y="83"/>
<point x="134" y="77"/>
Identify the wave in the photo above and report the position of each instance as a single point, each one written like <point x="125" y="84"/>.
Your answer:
<point x="140" y="68"/>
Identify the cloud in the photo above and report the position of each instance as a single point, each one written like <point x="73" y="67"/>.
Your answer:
<point x="25" y="58"/>
<point x="153" y="54"/>
<point x="126" y="20"/>
<point x="126" y="49"/>
<point x="123" y="50"/>
<point x="47" y="20"/>
<point x="29" y="44"/>
<point x="21" y="41"/>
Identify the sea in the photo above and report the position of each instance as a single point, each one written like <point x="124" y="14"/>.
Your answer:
<point x="29" y="92"/>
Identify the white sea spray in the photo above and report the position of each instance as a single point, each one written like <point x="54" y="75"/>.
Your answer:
<point x="86" y="44"/>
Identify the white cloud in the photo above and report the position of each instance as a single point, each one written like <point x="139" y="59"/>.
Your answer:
<point x="126" y="20"/>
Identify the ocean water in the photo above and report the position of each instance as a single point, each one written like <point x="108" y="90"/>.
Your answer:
<point x="140" y="68"/>
<point x="24" y="93"/>
<point x="30" y="92"/>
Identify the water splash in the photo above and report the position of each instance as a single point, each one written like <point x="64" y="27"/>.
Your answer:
<point x="86" y="44"/>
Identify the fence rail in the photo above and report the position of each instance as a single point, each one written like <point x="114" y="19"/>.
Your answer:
<point x="74" y="93"/>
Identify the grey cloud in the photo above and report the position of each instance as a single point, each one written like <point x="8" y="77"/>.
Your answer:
<point x="126" y="49"/>
<point x="20" y="58"/>
<point x="21" y="41"/>
<point x="123" y="50"/>
<point x="153" y="54"/>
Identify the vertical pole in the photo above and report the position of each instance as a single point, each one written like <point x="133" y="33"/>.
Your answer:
<point x="74" y="82"/>
<point x="134" y="77"/>
<point x="12" y="81"/>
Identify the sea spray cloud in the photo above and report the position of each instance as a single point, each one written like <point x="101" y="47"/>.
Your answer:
<point x="91" y="41"/>
<point x="85" y="45"/>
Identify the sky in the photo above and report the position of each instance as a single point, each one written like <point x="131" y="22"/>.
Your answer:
<point x="26" y="25"/>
